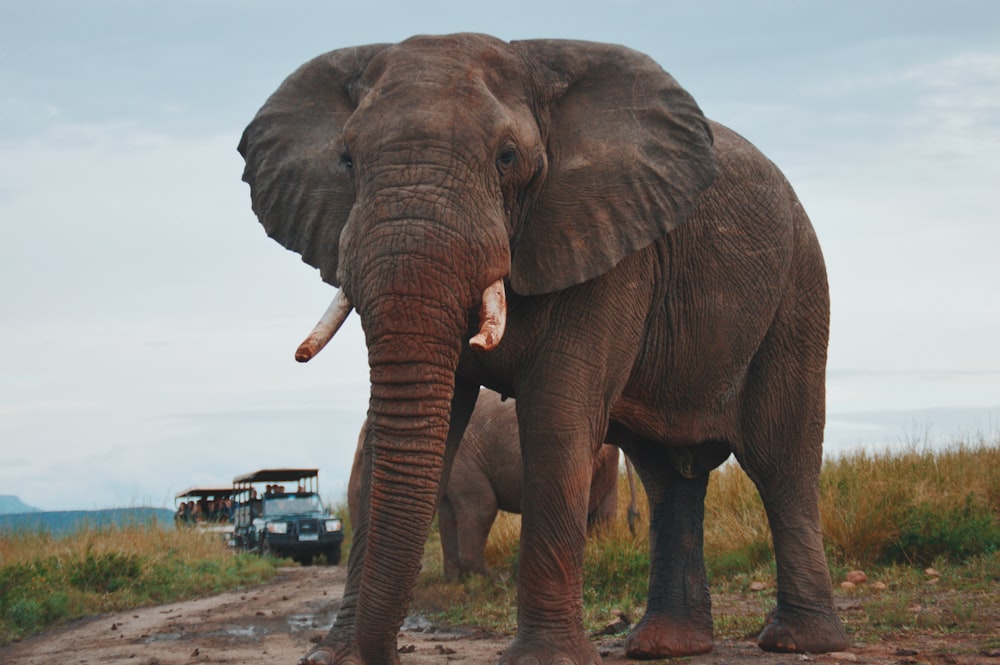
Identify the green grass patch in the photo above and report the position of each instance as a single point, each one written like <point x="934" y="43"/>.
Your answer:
<point x="45" y="580"/>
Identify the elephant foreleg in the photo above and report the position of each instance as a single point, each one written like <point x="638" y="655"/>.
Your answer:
<point x="550" y="562"/>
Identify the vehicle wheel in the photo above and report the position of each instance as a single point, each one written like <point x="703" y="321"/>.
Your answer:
<point x="333" y="555"/>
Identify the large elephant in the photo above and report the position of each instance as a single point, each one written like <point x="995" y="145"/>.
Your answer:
<point x="485" y="478"/>
<point x="556" y="220"/>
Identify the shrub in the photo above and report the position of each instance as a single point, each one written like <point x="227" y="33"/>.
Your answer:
<point x="928" y="532"/>
<point x="105" y="572"/>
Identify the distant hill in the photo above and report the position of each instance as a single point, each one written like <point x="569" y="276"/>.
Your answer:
<point x="11" y="504"/>
<point x="66" y="521"/>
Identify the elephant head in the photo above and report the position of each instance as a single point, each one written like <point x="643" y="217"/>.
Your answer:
<point x="414" y="176"/>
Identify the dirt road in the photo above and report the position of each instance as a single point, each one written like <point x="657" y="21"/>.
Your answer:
<point x="275" y="623"/>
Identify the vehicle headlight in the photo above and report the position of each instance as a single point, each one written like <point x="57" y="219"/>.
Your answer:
<point x="277" y="527"/>
<point x="334" y="525"/>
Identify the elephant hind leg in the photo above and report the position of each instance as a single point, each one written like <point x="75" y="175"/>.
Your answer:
<point x="678" y="619"/>
<point x="804" y="619"/>
<point x="449" y="540"/>
<point x="465" y="528"/>
<point x="783" y="454"/>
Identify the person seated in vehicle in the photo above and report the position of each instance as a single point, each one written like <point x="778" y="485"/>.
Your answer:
<point x="256" y="508"/>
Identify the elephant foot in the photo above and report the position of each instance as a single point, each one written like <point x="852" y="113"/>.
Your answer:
<point x="547" y="652"/>
<point x="326" y="656"/>
<point x="343" y="652"/>
<point x="788" y="632"/>
<point x="661" y="637"/>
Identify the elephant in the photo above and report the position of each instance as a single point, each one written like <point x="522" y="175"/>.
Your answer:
<point x="486" y="478"/>
<point x="558" y="221"/>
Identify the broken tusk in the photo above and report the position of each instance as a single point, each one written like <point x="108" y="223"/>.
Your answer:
<point x="492" y="318"/>
<point x="328" y="325"/>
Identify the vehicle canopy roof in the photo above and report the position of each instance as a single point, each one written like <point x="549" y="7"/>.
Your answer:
<point x="275" y="475"/>
<point x="199" y="492"/>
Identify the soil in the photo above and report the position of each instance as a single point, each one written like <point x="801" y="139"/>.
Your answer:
<point x="275" y="624"/>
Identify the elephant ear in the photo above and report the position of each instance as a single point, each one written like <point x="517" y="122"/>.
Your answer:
<point x="629" y="154"/>
<point x="300" y="190"/>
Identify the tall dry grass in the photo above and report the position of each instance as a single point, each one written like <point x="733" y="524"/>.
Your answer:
<point x="912" y="506"/>
<point x="889" y="508"/>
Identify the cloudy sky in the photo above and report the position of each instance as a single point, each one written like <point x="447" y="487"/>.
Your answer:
<point x="147" y="324"/>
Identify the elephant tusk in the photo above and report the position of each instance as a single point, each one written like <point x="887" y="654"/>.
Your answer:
<point x="328" y="325"/>
<point x="492" y="318"/>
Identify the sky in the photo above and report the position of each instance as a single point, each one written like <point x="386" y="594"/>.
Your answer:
<point x="148" y="325"/>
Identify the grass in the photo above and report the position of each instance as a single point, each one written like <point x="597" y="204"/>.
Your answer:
<point x="892" y="514"/>
<point x="46" y="580"/>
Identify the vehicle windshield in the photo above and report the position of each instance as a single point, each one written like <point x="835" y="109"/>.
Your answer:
<point x="292" y="505"/>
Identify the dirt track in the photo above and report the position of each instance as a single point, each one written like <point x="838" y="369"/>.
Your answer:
<point x="274" y="624"/>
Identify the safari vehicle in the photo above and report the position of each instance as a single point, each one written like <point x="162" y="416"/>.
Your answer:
<point x="207" y="509"/>
<point x="279" y="512"/>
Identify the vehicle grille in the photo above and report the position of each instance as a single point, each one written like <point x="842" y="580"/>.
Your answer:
<point x="309" y="526"/>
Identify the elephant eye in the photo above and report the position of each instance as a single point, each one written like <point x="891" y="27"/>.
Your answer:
<point x="506" y="159"/>
<point x="347" y="160"/>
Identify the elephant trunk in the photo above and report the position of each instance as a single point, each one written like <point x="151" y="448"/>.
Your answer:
<point x="412" y="383"/>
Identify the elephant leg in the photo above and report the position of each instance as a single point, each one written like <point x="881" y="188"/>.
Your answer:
<point x="678" y="619"/>
<point x="805" y="619"/>
<point x="606" y="511"/>
<point x="465" y="528"/>
<point x="449" y="539"/>
<point x="474" y="521"/>
<point x="558" y="469"/>
<point x="783" y="454"/>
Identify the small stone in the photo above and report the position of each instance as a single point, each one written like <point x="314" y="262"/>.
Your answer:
<point x="616" y="627"/>
<point x="757" y="586"/>
<point x="843" y="656"/>
<point x="879" y="586"/>
<point x="930" y="572"/>
<point x="857" y="577"/>
<point x="847" y="585"/>
<point x="934" y="580"/>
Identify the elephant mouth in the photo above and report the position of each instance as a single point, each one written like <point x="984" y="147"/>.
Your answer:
<point x="492" y="323"/>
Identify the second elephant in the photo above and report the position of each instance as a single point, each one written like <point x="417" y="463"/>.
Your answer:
<point x="486" y="477"/>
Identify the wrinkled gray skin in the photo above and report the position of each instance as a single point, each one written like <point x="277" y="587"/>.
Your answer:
<point x="485" y="478"/>
<point x="666" y="293"/>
